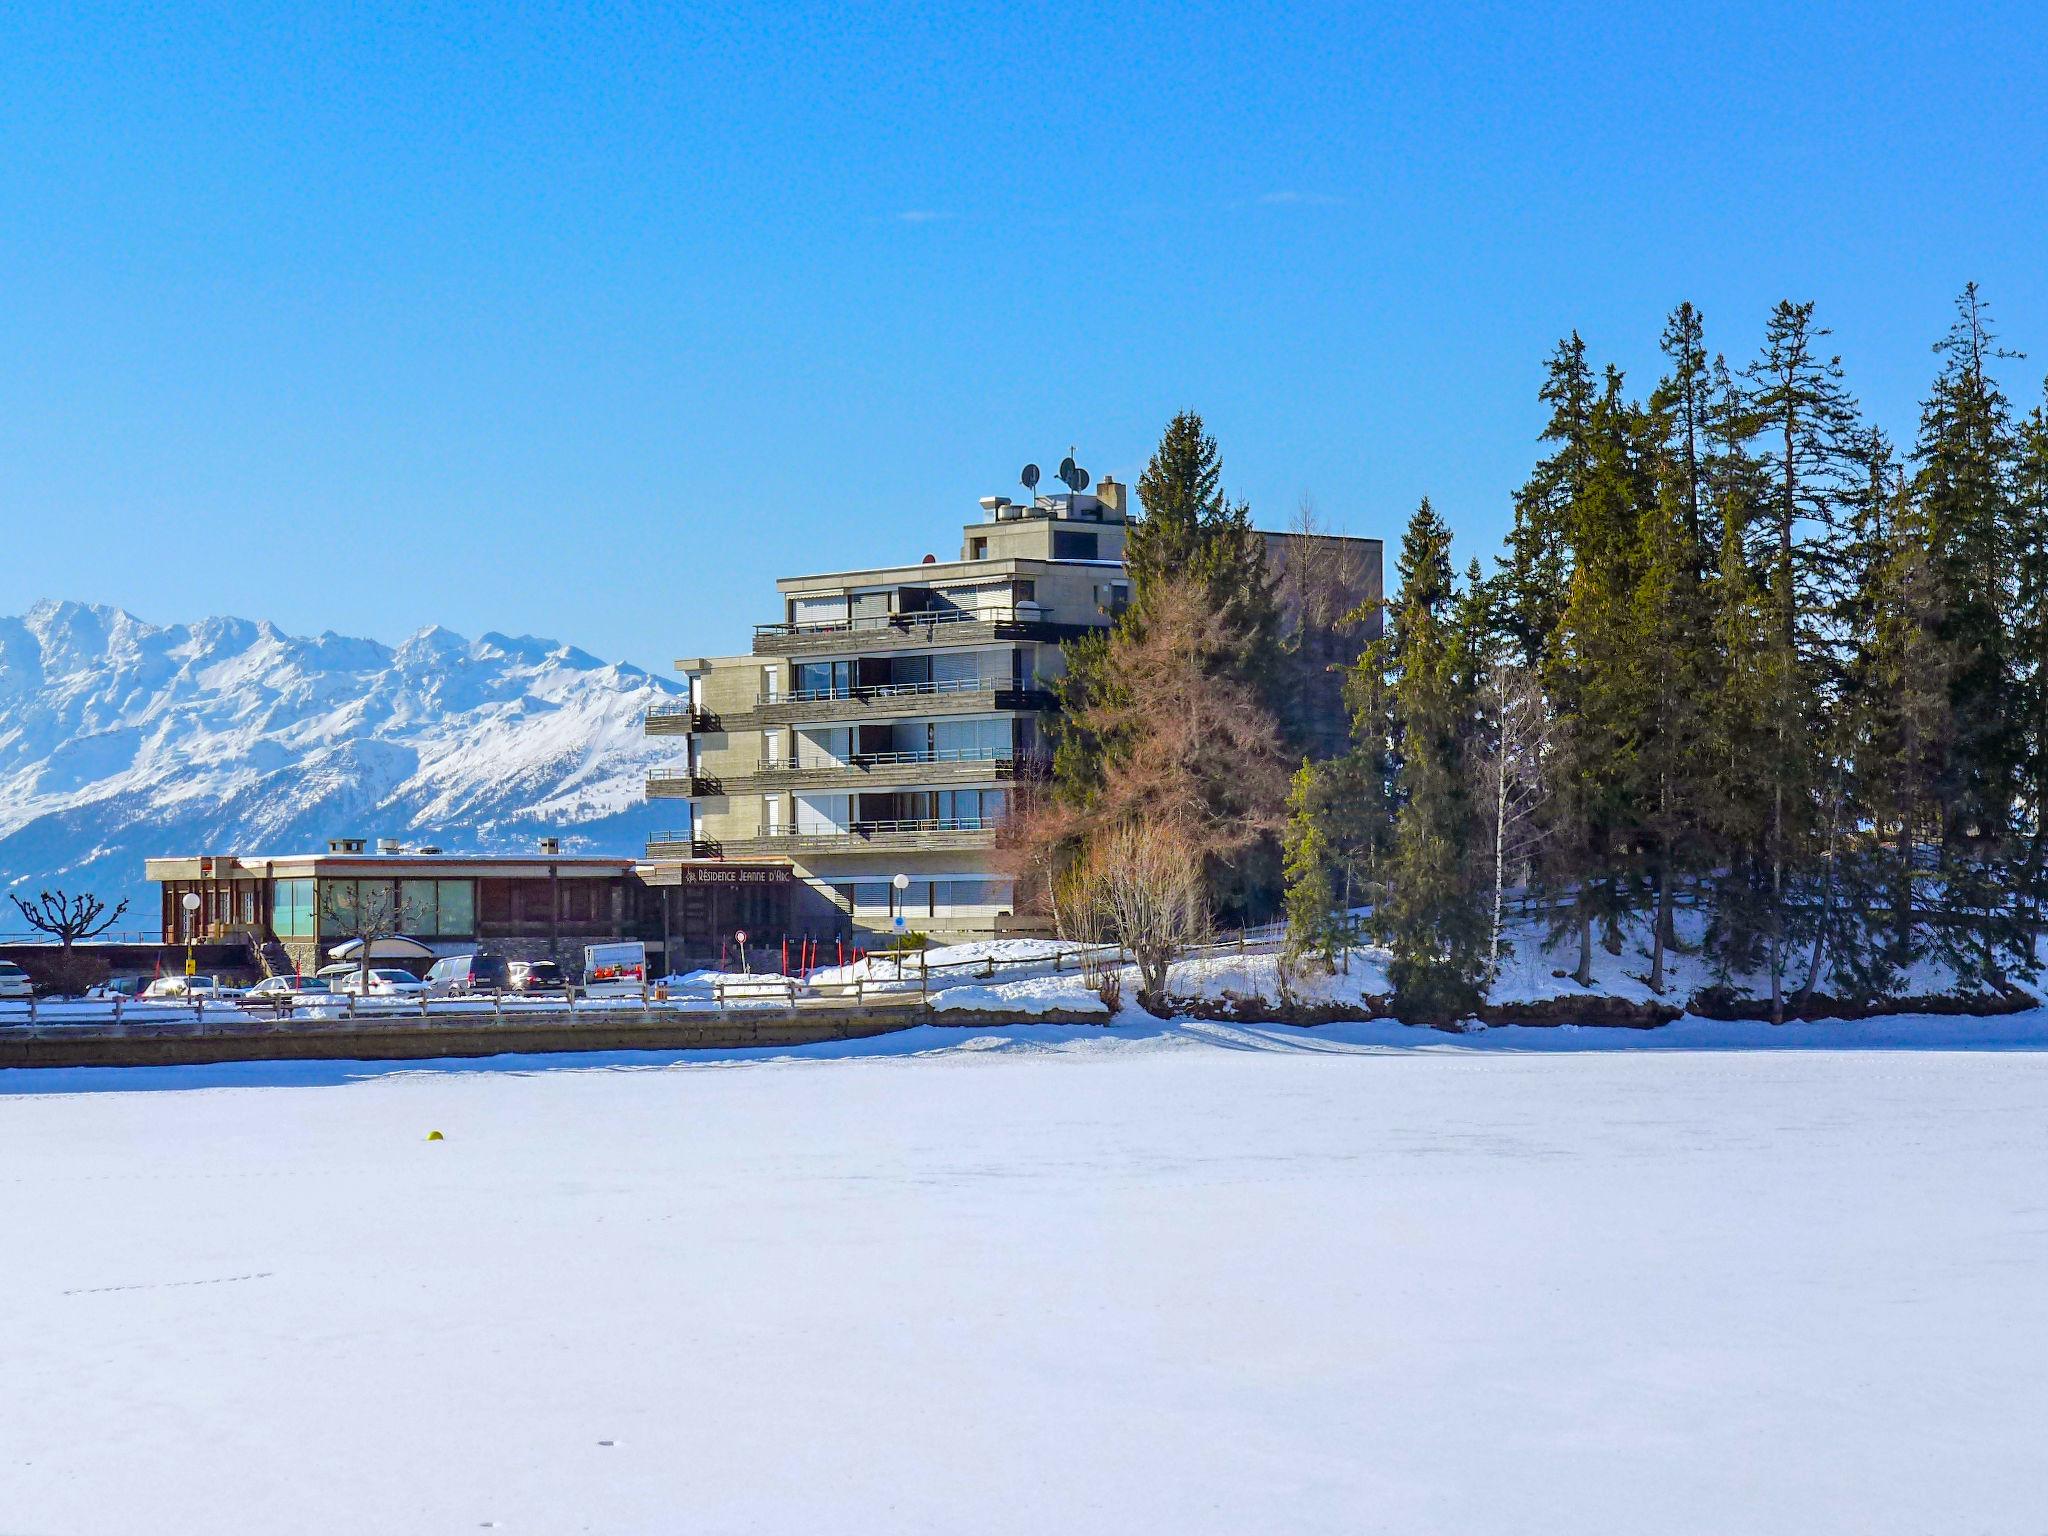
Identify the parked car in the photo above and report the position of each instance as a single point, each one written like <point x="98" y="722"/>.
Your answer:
<point x="189" y="989"/>
<point x="126" y="987"/>
<point x="383" y="981"/>
<point x="13" y="980"/>
<point x="464" y="975"/>
<point x="288" y="992"/>
<point x="537" y="976"/>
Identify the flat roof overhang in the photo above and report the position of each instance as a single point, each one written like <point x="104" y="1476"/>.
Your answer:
<point x="447" y="866"/>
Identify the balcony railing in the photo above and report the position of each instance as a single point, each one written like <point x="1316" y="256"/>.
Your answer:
<point x="866" y="623"/>
<point x="898" y="631"/>
<point x="881" y="836"/>
<point x="678" y="719"/>
<point x="864" y="692"/>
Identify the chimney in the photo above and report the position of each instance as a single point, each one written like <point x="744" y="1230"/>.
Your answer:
<point x="1111" y="494"/>
<point x="344" y="845"/>
<point x="551" y="845"/>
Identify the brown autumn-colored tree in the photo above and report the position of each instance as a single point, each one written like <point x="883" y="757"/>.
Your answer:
<point x="1191" y="748"/>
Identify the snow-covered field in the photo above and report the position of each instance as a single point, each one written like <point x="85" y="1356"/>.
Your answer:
<point x="1165" y="1277"/>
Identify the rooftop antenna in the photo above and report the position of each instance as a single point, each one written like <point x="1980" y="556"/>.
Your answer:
<point x="1074" y="476"/>
<point x="1030" y="478"/>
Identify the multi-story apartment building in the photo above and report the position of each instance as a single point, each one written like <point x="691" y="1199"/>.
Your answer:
<point x="867" y="747"/>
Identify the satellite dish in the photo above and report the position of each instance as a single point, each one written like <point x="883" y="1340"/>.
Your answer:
<point x="1080" y="480"/>
<point x="1030" y="477"/>
<point x="1067" y="472"/>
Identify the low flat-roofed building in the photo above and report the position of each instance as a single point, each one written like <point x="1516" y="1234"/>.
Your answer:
<point x="526" y="907"/>
<point x="294" y="908"/>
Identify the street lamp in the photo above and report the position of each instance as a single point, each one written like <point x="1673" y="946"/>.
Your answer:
<point x="190" y="902"/>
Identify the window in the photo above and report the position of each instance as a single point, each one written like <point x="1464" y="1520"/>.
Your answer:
<point x="496" y="901"/>
<point x="458" y="907"/>
<point x="771" y="749"/>
<point x="824" y="679"/>
<point x="419" y="908"/>
<point x="771" y="683"/>
<point x="431" y="909"/>
<point x="978" y="893"/>
<point x="1068" y="545"/>
<point x="586" y="901"/>
<point x="291" y="909"/>
<point x="977" y="549"/>
<point x="347" y="906"/>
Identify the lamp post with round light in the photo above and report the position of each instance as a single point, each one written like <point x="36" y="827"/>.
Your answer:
<point x="190" y="902"/>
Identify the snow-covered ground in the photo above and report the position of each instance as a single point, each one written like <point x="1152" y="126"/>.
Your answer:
<point x="1151" y="1277"/>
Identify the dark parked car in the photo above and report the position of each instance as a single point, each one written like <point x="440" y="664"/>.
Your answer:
<point x="537" y="976"/>
<point x="462" y="975"/>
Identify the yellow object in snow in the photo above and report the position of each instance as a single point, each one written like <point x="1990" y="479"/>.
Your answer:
<point x="435" y="1136"/>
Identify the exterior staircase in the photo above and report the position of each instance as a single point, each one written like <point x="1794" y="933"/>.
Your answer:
<point x="271" y="958"/>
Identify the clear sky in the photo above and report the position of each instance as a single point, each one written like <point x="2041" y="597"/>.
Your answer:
<point x="588" y="321"/>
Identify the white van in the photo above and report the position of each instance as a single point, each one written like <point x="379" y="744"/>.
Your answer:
<point x="614" y="970"/>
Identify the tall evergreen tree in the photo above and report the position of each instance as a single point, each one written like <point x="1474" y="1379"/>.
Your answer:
<point x="1968" y="460"/>
<point x="1536" y="572"/>
<point x="2029" y="642"/>
<point x="1805" y="430"/>
<point x="1433" y="920"/>
<point x="1587" y="673"/>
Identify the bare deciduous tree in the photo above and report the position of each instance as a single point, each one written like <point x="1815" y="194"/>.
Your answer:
<point x="68" y="918"/>
<point x="364" y="910"/>
<point x="1511" y="781"/>
<point x="1141" y="887"/>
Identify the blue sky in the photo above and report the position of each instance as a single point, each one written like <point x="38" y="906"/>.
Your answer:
<point x="588" y="321"/>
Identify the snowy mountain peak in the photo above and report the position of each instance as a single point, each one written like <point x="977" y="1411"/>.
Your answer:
<point x="120" y="739"/>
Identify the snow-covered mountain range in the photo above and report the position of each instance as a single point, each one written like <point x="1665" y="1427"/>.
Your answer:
<point x="121" y="739"/>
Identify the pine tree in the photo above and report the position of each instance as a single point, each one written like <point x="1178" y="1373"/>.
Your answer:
<point x="1966" y="484"/>
<point x="1805" y="430"/>
<point x="1190" y="539"/>
<point x="1672" y="676"/>
<point x="1433" y="919"/>
<point x="1536" y="572"/>
<point x="1683" y="407"/>
<point x="1315" y="923"/>
<point x="1587" y="678"/>
<point x="2029" y="641"/>
<point x="1895" y="726"/>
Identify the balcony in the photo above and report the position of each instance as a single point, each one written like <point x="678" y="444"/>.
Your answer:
<point x="912" y="631"/>
<point x="932" y="835"/>
<point x="680" y="786"/>
<point x="894" y="701"/>
<point x="943" y="769"/>
<point x="679" y="719"/>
